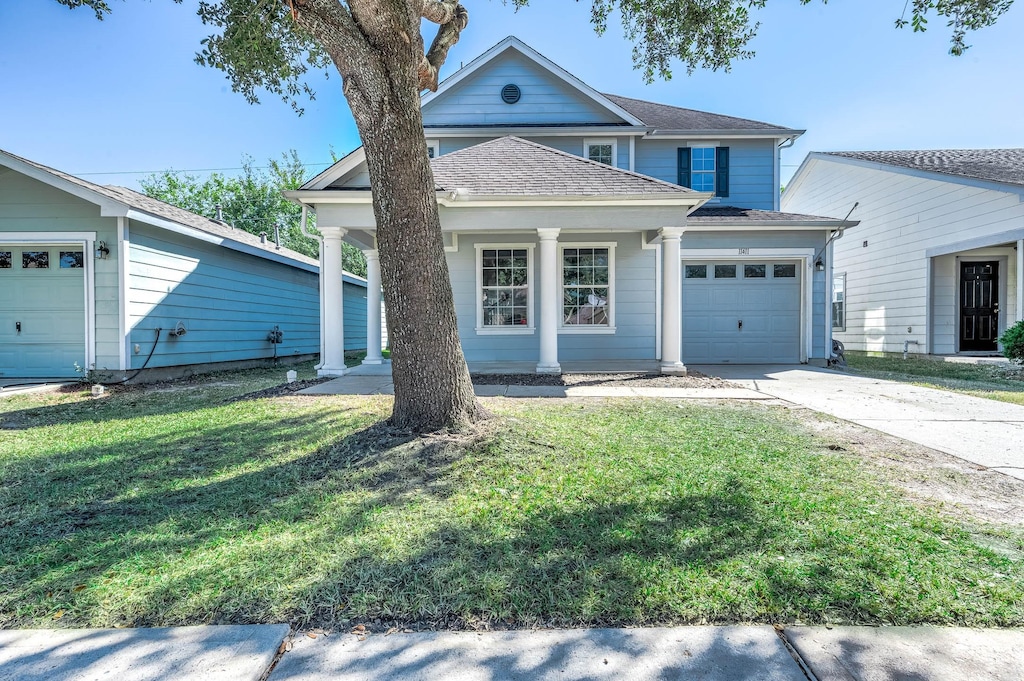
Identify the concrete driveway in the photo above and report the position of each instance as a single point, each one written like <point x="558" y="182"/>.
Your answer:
<point x="986" y="432"/>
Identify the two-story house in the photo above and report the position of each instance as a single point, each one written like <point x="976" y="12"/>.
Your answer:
<point x="583" y="227"/>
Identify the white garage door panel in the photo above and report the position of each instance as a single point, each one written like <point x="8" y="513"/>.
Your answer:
<point x="768" y="307"/>
<point x="50" y="305"/>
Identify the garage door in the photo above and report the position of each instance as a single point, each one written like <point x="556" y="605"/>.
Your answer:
<point x="741" y="313"/>
<point x="42" y="310"/>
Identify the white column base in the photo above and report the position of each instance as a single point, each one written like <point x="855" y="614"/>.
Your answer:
<point x="674" y="369"/>
<point x="549" y="369"/>
<point x="332" y="371"/>
<point x="373" y="360"/>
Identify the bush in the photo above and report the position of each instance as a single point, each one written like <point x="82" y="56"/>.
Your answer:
<point x="1013" y="342"/>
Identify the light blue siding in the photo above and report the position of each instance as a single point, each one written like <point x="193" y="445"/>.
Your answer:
<point x="545" y="99"/>
<point x="355" y="316"/>
<point x="751" y="168"/>
<point x="634" y="301"/>
<point x="227" y="301"/>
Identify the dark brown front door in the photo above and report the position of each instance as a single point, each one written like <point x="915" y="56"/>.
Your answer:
<point x="979" y="306"/>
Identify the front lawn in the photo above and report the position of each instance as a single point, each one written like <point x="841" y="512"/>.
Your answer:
<point x="184" y="505"/>
<point x="992" y="381"/>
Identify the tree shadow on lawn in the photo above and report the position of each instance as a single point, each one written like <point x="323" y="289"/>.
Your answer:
<point x="273" y="528"/>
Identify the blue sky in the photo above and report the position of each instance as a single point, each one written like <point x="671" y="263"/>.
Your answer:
<point x="112" y="100"/>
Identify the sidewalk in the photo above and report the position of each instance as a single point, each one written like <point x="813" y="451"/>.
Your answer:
<point x="733" y="653"/>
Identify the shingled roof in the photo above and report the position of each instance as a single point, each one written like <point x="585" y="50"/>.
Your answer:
<point x="512" y="166"/>
<point x="995" y="165"/>
<point x="666" y="117"/>
<point x="166" y="211"/>
<point x="730" y="215"/>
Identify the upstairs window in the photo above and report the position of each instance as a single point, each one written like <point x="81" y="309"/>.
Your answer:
<point x="433" y="148"/>
<point x="600" y="150"/>
<point x="704" y="169"/>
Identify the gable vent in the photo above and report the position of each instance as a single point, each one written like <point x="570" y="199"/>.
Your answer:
<point x="510" y="94"/>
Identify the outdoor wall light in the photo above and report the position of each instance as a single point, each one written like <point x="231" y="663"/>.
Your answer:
<point x="819" y="265"/>
<point x="102" y="251"/>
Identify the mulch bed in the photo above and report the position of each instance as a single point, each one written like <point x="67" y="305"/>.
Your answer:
<point x="625" y="380"/>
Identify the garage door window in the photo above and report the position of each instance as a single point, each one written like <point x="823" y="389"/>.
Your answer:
<point x="35" y="260"/>
<point x="725" y="271"/>
<point x="696" y="271"/>
<point x="753" y="271"/>
<point x="784" y="271"/>
<point x="5" y="260"/>
<point x="71" y="260"/>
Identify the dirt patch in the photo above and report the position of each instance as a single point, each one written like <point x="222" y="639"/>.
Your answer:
<point x="953" y="486"/>
<point x="281" y="390"/>
<point x="618" y="380"/>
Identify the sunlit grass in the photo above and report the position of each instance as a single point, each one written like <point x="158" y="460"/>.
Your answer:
<point x="1001" y="382"/>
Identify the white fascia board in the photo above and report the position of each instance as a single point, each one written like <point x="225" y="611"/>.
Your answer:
<point x="140" y="216"/>
<point x="311" y="197"/>
<point x="762" y="226"/>
<point x="514" y="43"/>
<point x="108" y="207"/>
<point x="338" y="170"/>
<point x="777" y="134"/>
<point x="538" y="131"/>
<point x="692" y="200"/>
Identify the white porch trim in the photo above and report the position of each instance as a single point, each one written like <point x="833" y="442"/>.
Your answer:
<point x="549" y="300"/>
<point x="671" y="301"/>
<point x="332" y="322"/>
<point x="373" y="335"/>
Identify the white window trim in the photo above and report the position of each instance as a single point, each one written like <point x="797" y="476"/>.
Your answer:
<point x="592" y="141"/>
<point x="713" y="171"/>
<point x="436" y="146"/>
<point x="832" y="301"/>
<point x="569" y="329"/>
<point x="482" y="330"/>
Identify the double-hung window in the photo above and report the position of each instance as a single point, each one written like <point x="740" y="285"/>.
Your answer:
<point x="839" y="302"/>
<point x="704" y="169"/>
<point x="505" y="288"/>
<point x="433" y="148"/>
<point x="588" y="282"/>
<point x="600" y="150"/>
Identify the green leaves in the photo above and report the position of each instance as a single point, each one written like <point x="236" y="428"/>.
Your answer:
<point x="251" y="201"/>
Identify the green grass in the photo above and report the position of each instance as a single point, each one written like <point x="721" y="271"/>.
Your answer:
<point x="994" y="382"/>
<point x="183" y="506"/>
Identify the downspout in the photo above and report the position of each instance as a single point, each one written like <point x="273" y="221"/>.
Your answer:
<point x="303" y="227"/>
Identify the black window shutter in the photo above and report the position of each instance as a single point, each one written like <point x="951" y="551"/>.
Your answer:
<point x="683" y="161"/>
<point x="722" y="171"/>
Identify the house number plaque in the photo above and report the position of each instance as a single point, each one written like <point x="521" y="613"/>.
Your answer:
<point x="744" y="251"/>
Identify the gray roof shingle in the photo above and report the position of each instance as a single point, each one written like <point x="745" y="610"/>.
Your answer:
<point x="512" y="166"/>
<point x="159" y="209"/>
<point x="666" y="117"/>
<point x="994" y="165"/>
<point x="712" y="215"/>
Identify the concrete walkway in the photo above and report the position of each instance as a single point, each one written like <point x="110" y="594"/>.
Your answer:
<point x="735" y="653"/>
<point x="986" y="432"/>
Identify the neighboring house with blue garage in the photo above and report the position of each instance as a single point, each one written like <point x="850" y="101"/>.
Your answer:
<point x="583" y="227"/>
<point x="936" y="265"/>
<point x="88" y="273"/>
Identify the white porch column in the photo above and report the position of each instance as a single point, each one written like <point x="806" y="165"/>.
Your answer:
<point x="671" y="305"/>
<point x="332" y="322"/>
<point x="549" y="302"/>
<point x="373" y="354"/>
<point x="1020" y="280"/>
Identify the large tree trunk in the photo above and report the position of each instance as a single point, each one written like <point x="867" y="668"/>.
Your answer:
<point x="432" y="384"/>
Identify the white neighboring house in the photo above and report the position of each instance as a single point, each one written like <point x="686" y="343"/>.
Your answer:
<point x="936" y="261"/>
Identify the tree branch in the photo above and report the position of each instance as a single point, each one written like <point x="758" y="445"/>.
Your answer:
<point x="453" y="19"/>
